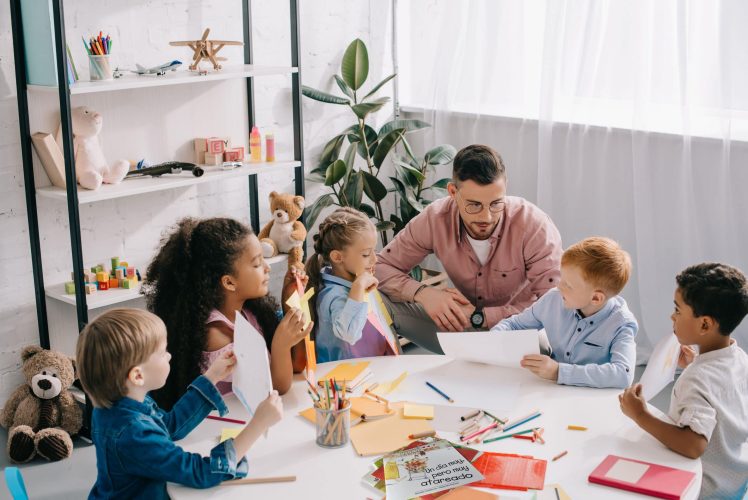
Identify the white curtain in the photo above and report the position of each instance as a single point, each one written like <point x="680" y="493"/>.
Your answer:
<point x="621" y="118"/>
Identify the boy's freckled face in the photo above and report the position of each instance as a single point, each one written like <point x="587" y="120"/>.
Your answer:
<point x="575" y="291"/>
<point x="685" y="324"/>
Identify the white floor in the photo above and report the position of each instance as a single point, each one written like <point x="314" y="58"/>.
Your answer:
<point x="74" y="477"/>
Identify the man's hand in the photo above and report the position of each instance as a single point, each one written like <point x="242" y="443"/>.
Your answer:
<point x="633" y="404"/>
<point x="541" y="365"/>
<point x="467" y="307"/>
<point x="445" y="308"/>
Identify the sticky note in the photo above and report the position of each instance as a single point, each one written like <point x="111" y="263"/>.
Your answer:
<point x="412" y="410"/>
<point x="387" y="387"/>
<point x="298" y="302"/>
<point x="230" y="433"/>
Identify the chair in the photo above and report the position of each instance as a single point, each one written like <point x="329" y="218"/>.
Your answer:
<point x="14" y="480"/>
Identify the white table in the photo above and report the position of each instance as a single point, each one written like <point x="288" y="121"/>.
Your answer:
<point x="290" y="448"/>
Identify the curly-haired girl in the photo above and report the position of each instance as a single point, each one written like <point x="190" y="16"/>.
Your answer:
<point x="342" y="270"/>
<point x="204" y="271"/>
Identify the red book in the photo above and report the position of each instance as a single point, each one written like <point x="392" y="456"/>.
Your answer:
<point x="642" y="477"/>
<point x="510" y="472"/>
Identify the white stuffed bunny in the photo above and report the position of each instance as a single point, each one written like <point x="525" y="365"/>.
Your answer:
<point x="91" y="167"/>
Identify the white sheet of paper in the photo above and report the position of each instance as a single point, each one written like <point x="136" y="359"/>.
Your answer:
<point x="493" y="348"/>
<point x="660" y="370"/>
<point x="627" y="471"/>
<point x="251" y="378"/>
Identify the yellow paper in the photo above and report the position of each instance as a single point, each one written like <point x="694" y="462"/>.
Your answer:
<point x="387" y="387"/>
<point x="347" y="371"/>
<point x="385" y="435"/>
<point x="412" y="410"/>
<point x="230" y="433"/>
<point x="298" y="302"/>
<point x="359" y="406"/>
<point x="382" y="307"/>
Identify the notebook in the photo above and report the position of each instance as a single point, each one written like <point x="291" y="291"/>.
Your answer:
<point x="642" y="477"/>
<point x="511" y="472"/>
<point x="350" y="373"/>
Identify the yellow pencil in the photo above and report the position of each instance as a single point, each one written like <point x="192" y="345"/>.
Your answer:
<point x="576" y="428"/>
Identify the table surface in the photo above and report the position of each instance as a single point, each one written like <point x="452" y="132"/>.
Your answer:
<point x="290" y="448"/>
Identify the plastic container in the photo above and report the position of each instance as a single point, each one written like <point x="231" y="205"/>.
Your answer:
<point x="99" y="68"/>
<point x="333" y="426"/>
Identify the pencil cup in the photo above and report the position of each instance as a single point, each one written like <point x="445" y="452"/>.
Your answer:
<point x="333" y="426"/>
<point x="99" y="67"/>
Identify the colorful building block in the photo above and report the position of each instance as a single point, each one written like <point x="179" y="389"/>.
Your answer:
<point x="123" y="264"/>
<point x="130" y="272"/>
<point x="234" y="154"/>
<point x="102" y="276"/>
<point x="201" y="147"/>
<point x="70" y="288"/>
<point x="215" y="145"/>
<point x="104" y="285"/>
<point x="213" y="158"/>
<point x="90" y="288"/>
<point x="119" y="273"/>
<point x="113" y="283"/>
<point x="89" y="277"/>
<point x="115" y="262"/>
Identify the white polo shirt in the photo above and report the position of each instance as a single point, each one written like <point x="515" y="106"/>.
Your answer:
<point x="711" y="397"/>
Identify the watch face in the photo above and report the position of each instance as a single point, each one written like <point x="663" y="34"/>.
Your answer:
<point x="476" y="319"/>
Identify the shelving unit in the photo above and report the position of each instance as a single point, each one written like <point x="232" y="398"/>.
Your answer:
<point x="74" y="197"/>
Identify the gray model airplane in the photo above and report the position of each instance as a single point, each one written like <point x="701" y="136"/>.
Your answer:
<point x="159" y="70"/>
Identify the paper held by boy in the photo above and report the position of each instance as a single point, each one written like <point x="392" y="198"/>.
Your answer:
<point x="660" y="370"/>
<point x="251" y="381"/>
<point x="493" y="348"/>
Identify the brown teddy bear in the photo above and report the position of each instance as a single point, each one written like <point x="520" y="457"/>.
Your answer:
<point x="285" y="233"/>
<point x="41" y="415"/>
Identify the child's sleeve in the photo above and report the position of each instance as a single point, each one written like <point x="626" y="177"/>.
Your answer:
<point x="526" y="320"/>
<point x="617" y="373"/>
<point x="690" y="408"/>
<point x="147" y="451"/>
<point x="201" y="398"/>
<point x="348" y="318"/>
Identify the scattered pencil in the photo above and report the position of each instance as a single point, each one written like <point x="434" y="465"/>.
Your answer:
<point x="516" y="423"/>
<point x="440" y="392"/>
<point x="230" y="420"/>
<point x="502" y="422"/>
<point x="479" y="432"/>
<point x="470" y="415"/>
<point x="526" y="431"/>
<point x="424" y="434"/>
<point x="259" y="480"/>
<point x="559" y="456"/>
<point x="576" y="428"/>
<point x="555" y="489"/>
<point x="529" y="438"/>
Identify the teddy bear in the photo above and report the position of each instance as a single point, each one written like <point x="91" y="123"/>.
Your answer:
<point x="91" y="167"/>
<point x="41" y="414"/>
<point x="285" y="233"/>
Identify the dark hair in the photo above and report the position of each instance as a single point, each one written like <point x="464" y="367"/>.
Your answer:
<point x="336" y="232"/>
<point x="478" y="163"/>
<point x="715" y="290"/>
<point x="183" y="285"/>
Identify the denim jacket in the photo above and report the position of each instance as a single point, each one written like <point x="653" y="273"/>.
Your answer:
<point x="135" y="450"/>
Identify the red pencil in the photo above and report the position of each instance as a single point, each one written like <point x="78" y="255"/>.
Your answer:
<point x="224" y="419"/>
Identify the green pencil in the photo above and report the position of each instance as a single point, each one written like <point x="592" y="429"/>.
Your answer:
<point x="526" y="431"/>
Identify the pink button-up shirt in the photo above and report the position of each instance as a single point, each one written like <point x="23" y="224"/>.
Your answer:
<point x="522" y="265"/>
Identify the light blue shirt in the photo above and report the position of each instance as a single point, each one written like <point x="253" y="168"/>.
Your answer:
<point x="597" y="351"/>
<point x="343" y="330"/>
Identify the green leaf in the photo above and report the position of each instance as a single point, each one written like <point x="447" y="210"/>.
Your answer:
<point x="371" y="140"/>
<point x="399" y="225"/>
<point x="407" y="212"/>
<point x="315" y="177"/>
<point x="363" y="109"/>
<point x="385" y="225"/>
<point x="335" y="172"/>
<point x="367" y="209"/>
<point x="312" y="212"/>
<point x="405" y="169"/>
<point x="441" y="183"/>
<point x="413" y="160"/>
<point x="350" y="157"/>
<point x="386" y="143"/>
<point x="408" y="125"/>
<point x="373" y="187"/>
<point x="320" y="96"/>
<point x="331" y="151"/>
<point x="407" y="194"/>
<point x="343" y="86"/>
<point x="440" y="155"/>
<point x="354" y="190"/>
<point x="379" y="86"/>
<point x="355" y="64"/>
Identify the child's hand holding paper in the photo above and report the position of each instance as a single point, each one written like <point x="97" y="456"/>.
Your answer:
<point x="222" y="367"/>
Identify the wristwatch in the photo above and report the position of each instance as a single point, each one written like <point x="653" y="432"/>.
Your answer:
<point x="477" y="318"/>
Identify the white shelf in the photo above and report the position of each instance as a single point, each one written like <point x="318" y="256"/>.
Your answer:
<point x="140" y="185"/>
<point x="101" y="298"/>
<point x="179" y="77"/>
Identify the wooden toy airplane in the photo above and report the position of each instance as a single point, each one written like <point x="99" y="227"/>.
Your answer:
<point x="205" y="49"/>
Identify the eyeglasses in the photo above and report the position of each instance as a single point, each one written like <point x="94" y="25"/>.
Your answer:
<point x="476" y="207"/>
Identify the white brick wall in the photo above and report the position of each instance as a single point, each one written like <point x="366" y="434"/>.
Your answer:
<point x="157" y="125"/>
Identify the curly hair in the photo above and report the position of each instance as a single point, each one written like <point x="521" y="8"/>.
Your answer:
<point x="183" y="285"/>
<point x="336" y="232"/>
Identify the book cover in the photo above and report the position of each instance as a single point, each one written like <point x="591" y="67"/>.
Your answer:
<point x="642" y="477"/>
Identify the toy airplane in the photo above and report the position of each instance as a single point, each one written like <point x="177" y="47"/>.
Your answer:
<point x="159" y="70"/>
<point x="205" y="49"/>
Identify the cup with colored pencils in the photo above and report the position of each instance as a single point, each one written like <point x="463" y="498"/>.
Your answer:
<point x="98" y="49"/>
<point x="332" y="416"/>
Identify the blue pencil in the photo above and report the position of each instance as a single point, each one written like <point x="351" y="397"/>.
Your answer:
<point x="532" y="416"/>
<point x="440" y="392"/>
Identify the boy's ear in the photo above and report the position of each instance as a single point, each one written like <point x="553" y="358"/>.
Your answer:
<point x="228" y="283"/>
<point x="707" y="324"/>
<point x="599" y="297"/>
<point x="135" y="376"/>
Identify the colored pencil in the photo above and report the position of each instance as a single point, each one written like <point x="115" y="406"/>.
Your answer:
<point x="423" y="434"/>
<point x="224" y="419"/>
<point x="576" y="428"/>
<point x="440" y="392"/>
<point x="516" y="423"/>
<point x="469" y="415"/>
<point x="526" y="431"/>
<point x="259" y="480"/>
<point x="559" y="456"/>
<point x="480" y="431"/>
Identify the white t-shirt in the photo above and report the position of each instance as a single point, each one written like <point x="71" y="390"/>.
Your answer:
<point x="711" y="397"/>
<point x="481" y="248"/>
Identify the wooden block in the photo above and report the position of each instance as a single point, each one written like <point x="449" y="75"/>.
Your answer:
<point x="99" y="268"/>
<point x="213" y="158"/>
<point x="215" y="145"/>
<point x="89" y="277"/>
<point x="104" y="285"/>
<point x="234" y="154"/>
<point x="115" y="263"/>
<point x="51" y="157"/>
<point x="130" y="272"/>
<point x="113" y="283"/>
<point x="90" y="288"/>
<point x="70" y="288"/>
<point x="201" y="147"/>
<point x="119" y="273"/>
<point x="102" y="276"/>
<point x="123" y="264"/>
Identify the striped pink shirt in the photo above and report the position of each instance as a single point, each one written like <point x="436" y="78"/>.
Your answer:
<point x="523" y="262"/>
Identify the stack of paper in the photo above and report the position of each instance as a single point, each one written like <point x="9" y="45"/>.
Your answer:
<point x="353" y="374"/>
<point x="507" y="471"/>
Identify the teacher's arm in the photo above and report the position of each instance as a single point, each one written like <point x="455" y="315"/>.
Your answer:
<point x="542" y="262"/>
